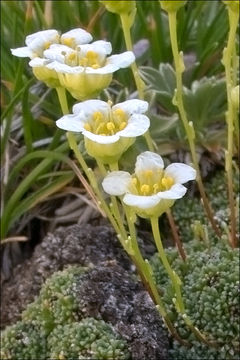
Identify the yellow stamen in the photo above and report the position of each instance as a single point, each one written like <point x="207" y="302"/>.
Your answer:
<point x="72" y="56"/>
<point x="46" y="45"/>
<point x="167" y="182"/>
<point x="97" y="116"/>
<point x="134" y="181"/>
<point x="68" y="41"/>
<point x="111" y="126"/>
<point x="100" y="128"/>
<point x="87" y="127"/>
<point x="145" y="189"/>
<point x="122" y="125"/>
<point x="95" y="66"/>
<point x="119" y="112"/>
<point x="148" y="173"/>
<point x="155" y="188"/>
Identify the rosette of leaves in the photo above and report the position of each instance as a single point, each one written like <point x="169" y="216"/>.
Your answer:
<point x="88" y="339"/>
<point x="210" y="278"/>
<point x="205" y="104"/>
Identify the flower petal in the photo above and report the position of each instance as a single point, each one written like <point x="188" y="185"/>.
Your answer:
<point x="39" y="41"/>
<point x="116" y="183"/>
<point x="38" y="62"/>
<point x="132" y="106"/>
<point x="63" y="68"/>
<point x="142" y="202"/>
<point x="177" y="191"/>
<point x="148" y="161"/>
<point x="79" y="35"/>
<point x="181" y="173"/>
<point x="22" y="52"/>
<point x="137" y="125"/>
<point x="88" y="107"/>
<point x="57" y="52"/>
<point x="70" y="123"/>
<point x="101" y="139"/>
<point x="122" y="60"/>
<point x="107" y="69"/>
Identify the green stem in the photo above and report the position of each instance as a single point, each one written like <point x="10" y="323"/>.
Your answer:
<point x="188" y="126"/>
<point x="228" y="56"/>
<point x="145" y="272"/>
<point x="93" y="182"/>
<point x="61" y="92"/>
<point x="175" y="281"/>
<point x="126" y="26"/>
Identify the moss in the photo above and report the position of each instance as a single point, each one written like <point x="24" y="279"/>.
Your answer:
<point x="23" y="341"/>
<point x="210" y="279"/>
<point x="88" y="339"/>
<point x="52" y="328"/>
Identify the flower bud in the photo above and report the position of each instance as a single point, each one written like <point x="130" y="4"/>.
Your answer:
<point x="172" y="5"/>
<point x="119" y="7"/>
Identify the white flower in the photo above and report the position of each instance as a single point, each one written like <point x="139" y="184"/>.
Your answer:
<point x="85" y="71"/>
<point x="151" y="190"/>
<point x="40" y="41"/>
<point x="108" y="131"/>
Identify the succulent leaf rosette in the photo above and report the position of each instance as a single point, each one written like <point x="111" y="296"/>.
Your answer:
<point x="151" y="190"/>
<point x="71" y="62"/>
<point x="108" y="130"/>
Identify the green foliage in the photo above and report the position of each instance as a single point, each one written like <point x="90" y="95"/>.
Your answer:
<point x="210" y="278"/>
<point x="51" y="327"/>
<point x="22" y="341"/>
<point x="189" y="210"/>
<point x="88" y="339"/>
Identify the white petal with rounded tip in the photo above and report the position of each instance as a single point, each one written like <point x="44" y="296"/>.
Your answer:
<point x="101" y="139"/>
<point x="137" y="125"/>
<point x="88" y="107"/>
<point x="116" y="183"/>
<point x="142" y="202"/>
<point x="122" y="60"/>
<point x="79" y="35"/>
<point x="107" y="69"/>
<point x="63" y="68"/>
<point x="22" y="52"/>
<point x="132" y="106"/>
<point x="148" y="161"/>
<point x="181" y="173"/>
<point x="70" y="123"/>
<point x="177" y="191"/>
<point x="57" y="52"/>
<point x="104" y="46"/>
<point x="38" y="62"/>
<point x="44" y="36"/>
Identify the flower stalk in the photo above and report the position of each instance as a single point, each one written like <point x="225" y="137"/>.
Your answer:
<point x="188" y="126"/>
<point x="127" y="21"/>
<point x="229" y="62"/>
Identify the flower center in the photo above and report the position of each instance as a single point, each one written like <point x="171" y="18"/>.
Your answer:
<point x="150" y="183"/>
<point x="107" y="125"/>
<point x="68" y="42"/>
<point x="91" y="59"/>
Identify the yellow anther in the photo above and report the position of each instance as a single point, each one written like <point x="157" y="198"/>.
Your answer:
<point x="167" y="182"/>
<point x="100" y="128"/>
<point x="148" y="173"/>
<point x="119" y="112"/>
<point x="145" y="189"/>
<point x="87" y="127"/>
<point x="97" y="115"/>
<point x="134" y="181"/>
<point x="95" y="66"/>
<point x="47" y="44"/>
<point x="122" y="125"/>
<point x="91" y="55"/>
<point x="72" y="56"/>
<point x="68" y="42"/>
<point x="111" y="126"/>
<point x="155" y="188"/>
<point x="84" y="62"/>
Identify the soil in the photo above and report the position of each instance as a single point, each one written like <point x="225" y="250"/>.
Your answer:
<point x="109" y="290"/>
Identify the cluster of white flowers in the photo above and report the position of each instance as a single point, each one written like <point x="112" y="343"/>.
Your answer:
<point x="70" y="61"/>
<point x="84" y="69"/>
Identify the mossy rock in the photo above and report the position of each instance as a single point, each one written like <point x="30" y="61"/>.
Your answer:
<point x="210" y="288"/>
